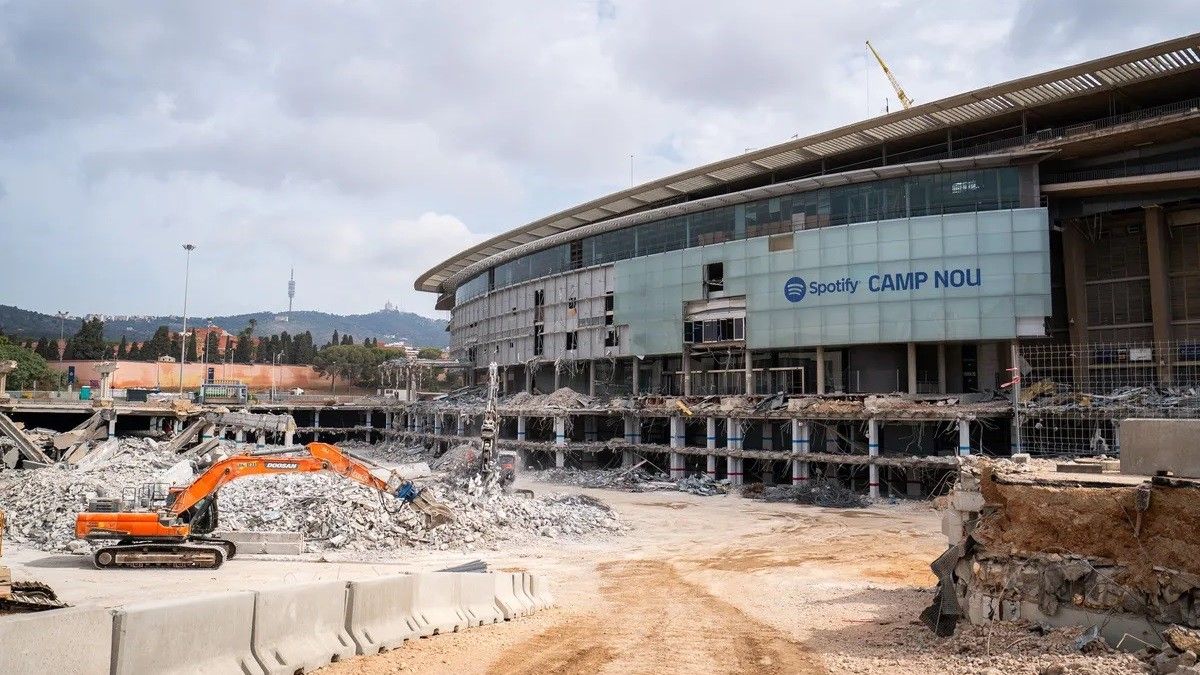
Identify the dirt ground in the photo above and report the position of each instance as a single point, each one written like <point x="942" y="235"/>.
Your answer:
<point x="703" y="584"/>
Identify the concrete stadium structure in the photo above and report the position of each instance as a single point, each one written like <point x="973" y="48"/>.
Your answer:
<point x="912" y="254"/>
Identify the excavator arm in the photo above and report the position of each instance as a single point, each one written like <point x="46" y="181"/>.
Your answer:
<point x="321" y="457"/>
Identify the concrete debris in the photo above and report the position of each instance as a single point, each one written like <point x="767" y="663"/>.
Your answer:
<point x="817" y="492"/>
<point x="334" y="514"/>
<point x="329" y="511"/>
<point x="635" y="480"/>
<point x="1047" y="396"/>
<point x="564" y="398"/>
<point x="41" y="504"/>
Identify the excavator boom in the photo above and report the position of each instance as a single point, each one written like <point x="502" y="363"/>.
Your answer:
<point x="168" y="538"/>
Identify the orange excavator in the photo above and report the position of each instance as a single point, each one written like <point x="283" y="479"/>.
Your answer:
<point x="174" y="534"/>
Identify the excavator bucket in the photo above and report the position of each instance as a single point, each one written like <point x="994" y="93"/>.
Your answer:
<point x="436" y="513"/>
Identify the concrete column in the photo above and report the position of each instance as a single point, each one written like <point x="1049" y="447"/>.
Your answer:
<point x="560" y="439"/>
<point x="239" y="436"/>
<point x="367" y="421"/>
<point x="678" y="440"/>
<point x="317" y="418"/>
<point x="591" y="378"/>
<point x="733" y="441"/>
<point x="589" y="429"/>
<point x="260" y="439"/>
<point x="112" y="426"/>
<point x="710" y="442"/>
<point x="635" y="369"/>
<point x="521" y="428"/>
<point x="437" y="424"/>
<point x="799" y="447"/>
<point x="964" y="437"/>
<point x="627" y="455"/>
<point x="873" y="451"/>
<point x="387" y="419"/>
<point x="6" y="367"/>
<point x="941" y="357"/>
<point x="820" y="370"/>
<point x="749" y="373"/>
<point x="528" y="380"/>
<point x="1157" y="236"/>
<point x="912" y="483"/>
<point x="557" y="379"/>
<point x="206" y="432"/>
<point x="106" y="370"/>
<point x="460" y="425"/>
<point x="912" y="368"/>
<point x="1074" y="260"/>
<point x="687" y="370"/>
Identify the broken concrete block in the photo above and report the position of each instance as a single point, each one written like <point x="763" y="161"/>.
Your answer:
<point x="967" y="501"/>
<point x="1075" y="467"/>
<point x="953" y="527"/>
<point x="1020" y="458"/>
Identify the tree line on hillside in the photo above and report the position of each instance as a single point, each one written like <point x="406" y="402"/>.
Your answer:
<point x="340" y="359"/>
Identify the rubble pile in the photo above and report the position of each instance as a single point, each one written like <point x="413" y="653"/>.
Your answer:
<point x="331" y="514"/>
<point x="635" y="480"/>
<point x="41" y="504"/>
<point x="563" y="398"/>
<point x="817" y="492"/>
<point x="1153" y="401"/>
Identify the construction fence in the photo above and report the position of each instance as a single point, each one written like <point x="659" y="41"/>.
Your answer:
<point x="1074" y="397"/>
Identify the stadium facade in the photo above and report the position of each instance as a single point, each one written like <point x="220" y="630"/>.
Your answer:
<point x="915" y="254"/>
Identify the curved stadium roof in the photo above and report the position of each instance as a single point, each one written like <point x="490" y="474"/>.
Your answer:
<point x="1107" y="73"/>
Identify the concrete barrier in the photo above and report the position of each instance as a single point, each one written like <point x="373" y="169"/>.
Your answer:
<point x="527" y="584"/>
<point x="381" y="614"/>
<point x="436" y="599"/>
<point x="506" y="598"/>
<point x="521" y="591"/>
<point x="77" y="640"/>
<point x="198" y="636"/>
<point x="477" y="597"/>
<point x="541" y="591"/>
<point x="301" y="628"/>
<point x="269" y="543"/>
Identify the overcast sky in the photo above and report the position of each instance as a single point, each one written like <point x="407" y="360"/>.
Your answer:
<point x="364" y="142"/>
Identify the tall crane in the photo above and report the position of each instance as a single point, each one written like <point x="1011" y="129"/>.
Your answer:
<point x="904" y="99"/>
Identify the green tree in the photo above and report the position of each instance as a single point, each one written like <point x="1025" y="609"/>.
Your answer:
<point x="176" y="347"/>
<point x="347" y="339"/>
<point x="123" y="348"/>
<point x="134" y="353"/>
<point x="244" y="353"/>
<point x="355" y="363"/>
<point x="429" y="353"/>
<point x="88" y="342"/>
<point x="192" y="355"/>
<point x="335" y="341"/>
<point x="32" y="370"/>
<point x="158" y="345"/>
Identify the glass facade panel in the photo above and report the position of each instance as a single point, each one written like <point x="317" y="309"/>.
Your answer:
<point x="954" y="192"/>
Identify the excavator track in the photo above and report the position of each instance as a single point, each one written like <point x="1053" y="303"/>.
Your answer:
<point x="30" y="596"/>
<point x="194" y="556"/>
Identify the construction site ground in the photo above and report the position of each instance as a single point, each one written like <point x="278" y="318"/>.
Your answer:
<point x="698" y="584"/>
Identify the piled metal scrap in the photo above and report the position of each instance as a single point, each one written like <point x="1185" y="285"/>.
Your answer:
<point x="635" y="480"/>
<point x="1046" y="396"/>
<point x="818" y="492"/>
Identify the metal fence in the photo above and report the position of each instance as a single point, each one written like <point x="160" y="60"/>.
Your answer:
<point x="1074" y="397"/>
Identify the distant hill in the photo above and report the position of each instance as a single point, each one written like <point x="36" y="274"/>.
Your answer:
<point x="386" y="325"/>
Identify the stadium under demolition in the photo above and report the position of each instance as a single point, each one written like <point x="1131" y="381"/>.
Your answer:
<point x="918" y="394"/>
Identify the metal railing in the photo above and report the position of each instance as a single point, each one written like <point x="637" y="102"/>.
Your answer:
<point x="1184" y="164"/>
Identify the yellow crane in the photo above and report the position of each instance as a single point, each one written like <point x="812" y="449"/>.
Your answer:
<point x="904" y="99"/>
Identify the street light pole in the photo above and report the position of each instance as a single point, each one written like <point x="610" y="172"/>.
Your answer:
<point x="62" y="317"/>
<point x="187" y="269"/>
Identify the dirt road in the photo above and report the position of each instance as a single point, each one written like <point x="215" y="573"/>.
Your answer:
<point x="716" y="584"/>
